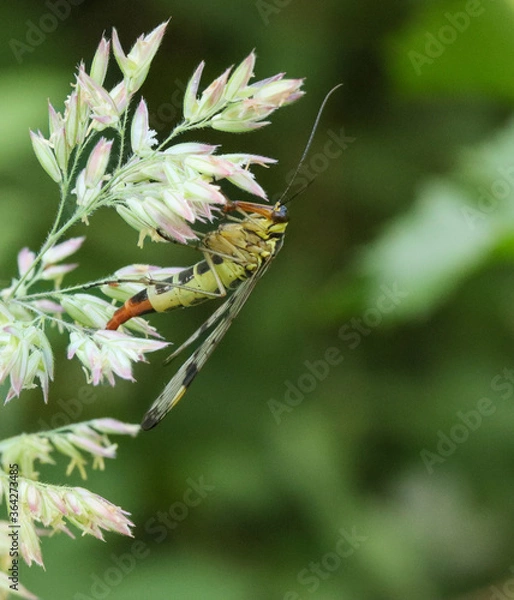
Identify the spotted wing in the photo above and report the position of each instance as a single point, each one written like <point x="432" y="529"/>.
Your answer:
<point x="183" y="378"/>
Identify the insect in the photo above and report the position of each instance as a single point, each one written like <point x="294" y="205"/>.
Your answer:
<point x="236" y="256"/>
<point x="232" y="253"/>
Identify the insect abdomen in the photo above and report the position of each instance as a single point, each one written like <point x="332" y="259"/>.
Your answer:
<point x="189" y="287"/>
<point x="194" y="285"/>
<point x="134" y="307"/>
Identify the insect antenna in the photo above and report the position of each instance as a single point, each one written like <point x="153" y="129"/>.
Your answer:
<point x="306" y="150"/>
<point x="300" y="191"/>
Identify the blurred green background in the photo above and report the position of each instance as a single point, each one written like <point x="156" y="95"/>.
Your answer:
<point x="382" y="338"/>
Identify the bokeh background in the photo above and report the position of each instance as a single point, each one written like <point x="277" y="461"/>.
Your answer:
<point x="353" y="436"/>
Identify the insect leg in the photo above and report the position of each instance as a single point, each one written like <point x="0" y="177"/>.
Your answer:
<point x="210" y="321"/>
<point x="183" y="378"/>
<point x="216" y="315"/>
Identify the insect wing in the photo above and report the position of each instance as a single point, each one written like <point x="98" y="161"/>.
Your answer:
<point x="216" y="316"/>
<point x="182" y="379"/>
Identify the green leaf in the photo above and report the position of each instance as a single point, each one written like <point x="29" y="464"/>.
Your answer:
<point x="455" y="226"/>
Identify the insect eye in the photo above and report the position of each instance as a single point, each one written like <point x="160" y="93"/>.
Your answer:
<point x="280" y="215"/>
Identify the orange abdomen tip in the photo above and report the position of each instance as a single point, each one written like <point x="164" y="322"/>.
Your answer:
<point x="134" y="307"/>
